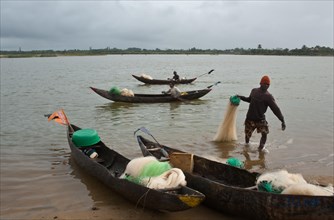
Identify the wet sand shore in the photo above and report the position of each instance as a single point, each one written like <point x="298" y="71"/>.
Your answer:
<point x="116" y="208"/>
<point x="102" y="213"/>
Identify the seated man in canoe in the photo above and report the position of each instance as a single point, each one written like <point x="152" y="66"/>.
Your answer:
<point x="176" y="77"/>
<point x="173" y="91"/>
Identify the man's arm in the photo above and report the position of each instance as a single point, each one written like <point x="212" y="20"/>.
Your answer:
<point x="277" y="111"/>
<point x="246" y="99"/>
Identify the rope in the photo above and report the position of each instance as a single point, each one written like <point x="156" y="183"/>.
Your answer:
<point x="145" y="194"/>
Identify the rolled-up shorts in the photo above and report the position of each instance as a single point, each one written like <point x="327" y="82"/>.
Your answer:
<point x="260" y="126"/>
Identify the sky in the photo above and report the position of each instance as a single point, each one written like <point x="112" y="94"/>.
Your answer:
<point x="229" y="24"/>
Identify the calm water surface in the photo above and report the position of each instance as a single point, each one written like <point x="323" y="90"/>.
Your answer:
<point x="38" y="176"/>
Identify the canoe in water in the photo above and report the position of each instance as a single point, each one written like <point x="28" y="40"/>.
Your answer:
<point x="163" y="81"/>
<point x="152" y="98"/>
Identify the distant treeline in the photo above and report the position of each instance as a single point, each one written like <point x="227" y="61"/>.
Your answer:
<point x="304" y="51"/>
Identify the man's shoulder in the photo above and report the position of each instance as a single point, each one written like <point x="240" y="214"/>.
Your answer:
<point x="256" y="90"/>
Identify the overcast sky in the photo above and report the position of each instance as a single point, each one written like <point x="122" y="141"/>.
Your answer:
<point x="59" y="25"/>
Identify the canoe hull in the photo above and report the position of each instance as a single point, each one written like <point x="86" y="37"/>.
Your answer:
<point x="225" y="188"/>
<point x="151" y="98"/>
<point x="163" y="81"/>
<point x="113" y="166"/>
<point x="252" y="204"/>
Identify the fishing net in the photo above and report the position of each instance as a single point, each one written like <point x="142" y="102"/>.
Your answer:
<point x="127" y="92"/>
<point x="227" y="130"/>
<point x="155" y="168"/>
<point x="151" y="169"/>
<point x="232" y="161"/>
<point x="235" y="100"/>
<point x="115" y="90"/>
<point x="146" y="76"/>
<point x="266" y="186"/>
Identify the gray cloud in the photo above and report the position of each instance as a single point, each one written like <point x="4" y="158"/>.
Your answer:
<point x="165" y="24"/>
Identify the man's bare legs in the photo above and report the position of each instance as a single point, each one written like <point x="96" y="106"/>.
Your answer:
<point x="263" y="141"/>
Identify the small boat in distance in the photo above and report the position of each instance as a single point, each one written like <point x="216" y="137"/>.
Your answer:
<point x="149" y="80"/>
<point x="163" y="81"/>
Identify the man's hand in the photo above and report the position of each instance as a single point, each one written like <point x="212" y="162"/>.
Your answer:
<point x="283" y="126"/>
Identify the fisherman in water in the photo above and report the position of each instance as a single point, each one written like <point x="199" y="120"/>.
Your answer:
<point x="259" y="100"/>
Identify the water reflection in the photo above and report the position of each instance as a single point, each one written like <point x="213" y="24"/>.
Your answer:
<point x="106" y="199"/>
<point x="98" y="192"/>
<point x="197" y="102"/>
<point x="116" y="106"/>
<point x="254" y="160"/>
<point x="226" y="148"/>
<point x="145" y="85"/>
<point x="189" y="105"/>
<point x="254" y="163"/>
<point x="174" y="105"/>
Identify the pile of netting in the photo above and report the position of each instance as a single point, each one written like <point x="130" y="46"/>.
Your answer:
<point x="235" y="162"/>
<point x="150" y="172"/>
<point x="145" y="76"/>
<point x="282" y="182"/>
<point x="124" y="92"/>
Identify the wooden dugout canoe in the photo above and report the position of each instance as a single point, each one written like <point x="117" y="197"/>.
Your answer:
<point x="231" y="190"/>
<point x="163" y="81"/>
<point x="110" y="165"/>
<point x="152" y="98"/>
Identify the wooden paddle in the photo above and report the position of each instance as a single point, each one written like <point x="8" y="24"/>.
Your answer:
<point x="206" y="73"/>
<point x="213" y="84"/>
<point x="185" y="100"/>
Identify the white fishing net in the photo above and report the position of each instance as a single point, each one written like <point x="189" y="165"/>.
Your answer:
<point x="227" y="130"/>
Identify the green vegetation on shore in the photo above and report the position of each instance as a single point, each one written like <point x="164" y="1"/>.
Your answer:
<point x="304" y="51"/>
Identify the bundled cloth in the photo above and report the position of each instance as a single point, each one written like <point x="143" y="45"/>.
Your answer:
<point x="145" y="76"/>
<point x="282" y="182"/>
<point x="127" y="92"/>
<point x="150" y="172"/>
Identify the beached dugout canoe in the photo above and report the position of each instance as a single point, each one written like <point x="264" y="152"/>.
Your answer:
<point x="232" y="190"/>
<point x="110" y="165"/>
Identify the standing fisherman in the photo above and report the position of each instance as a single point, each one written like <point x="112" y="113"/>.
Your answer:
<point x="259" y="100"/>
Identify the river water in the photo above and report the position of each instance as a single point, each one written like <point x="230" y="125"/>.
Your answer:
<point x="38" y="177"/>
